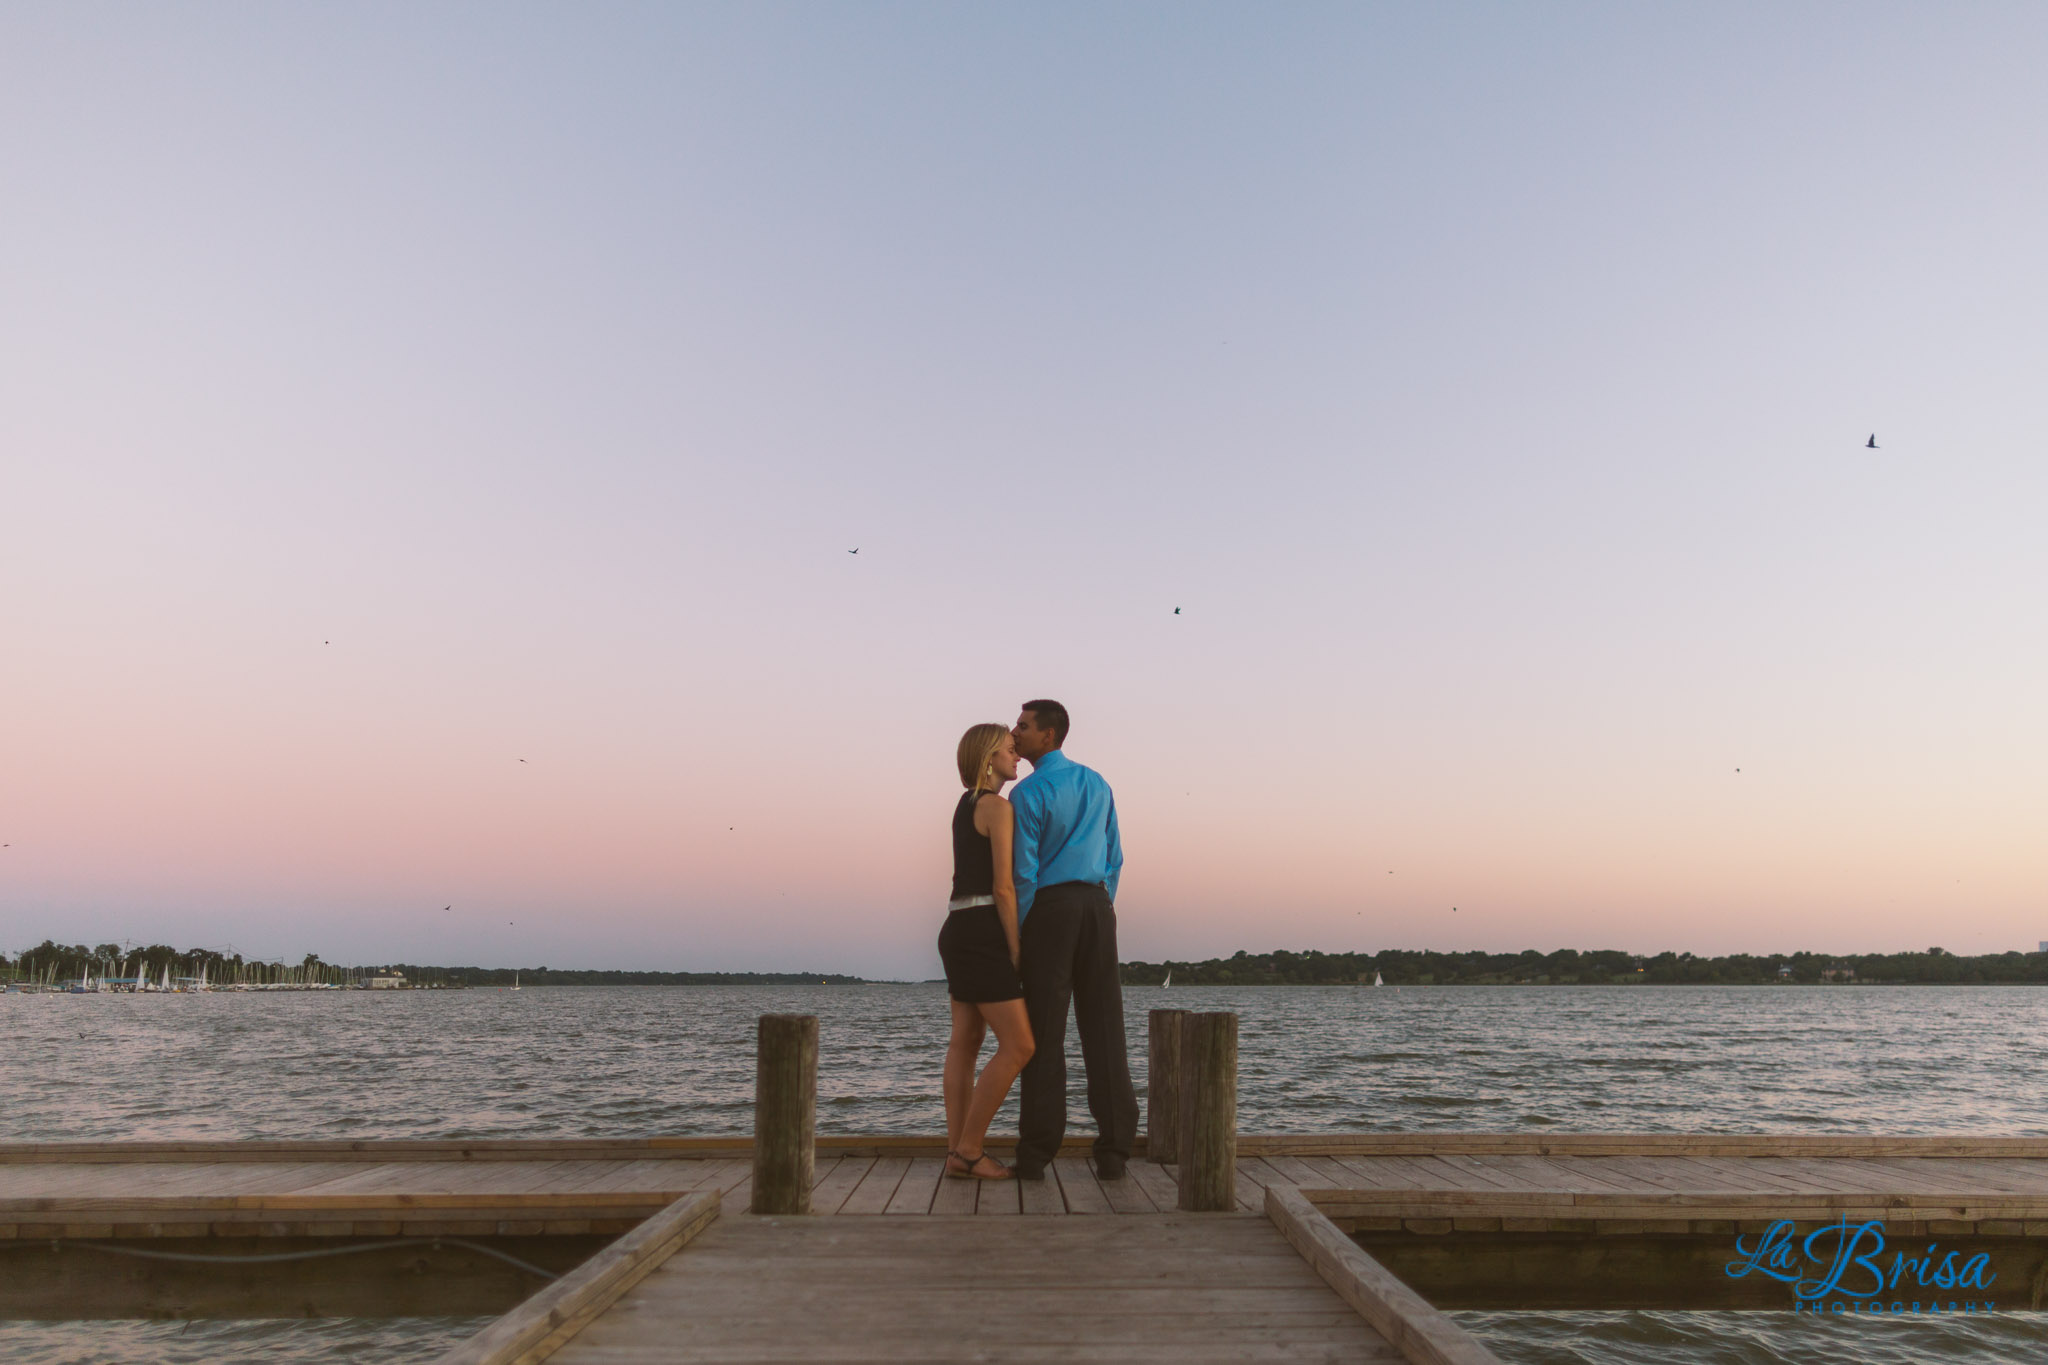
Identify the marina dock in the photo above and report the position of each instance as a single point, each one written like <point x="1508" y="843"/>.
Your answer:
<point x="792" y="1245"/>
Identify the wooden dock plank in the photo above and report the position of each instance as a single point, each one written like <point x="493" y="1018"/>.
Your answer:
<point x="877" y="1187"/>
<point x="2019" y="1177"/>
<point x="1253" y="1174"/>
<point x="1127" y="1195"/>
<point x="1757" y="1174"/>
<point x="999" y="1197"/>
<point x="1364" y="1172"/>
<point x="1042" y="1197"/>
<point x="1078" y="1186"/>
<point x="727" y="1176"/>
<point x="164" y="1179"/>
<point x="505" y="1177"/>
<point x="1308" y="1172"/>
<point x="1922" y="1177"/>
<point x="920" y="1185"/>
<point x="1159" y="1181"/>
<point x="1453" y="1170"/>
<point x="836" y="1186"/>
<point x="1515" y="1172"/>
<point x="1599" y="1174"/>
<point x="954" y="1196"/>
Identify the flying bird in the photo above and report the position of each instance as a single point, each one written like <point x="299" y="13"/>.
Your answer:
<point x="1871" y="444"/>
<point x="447" y="907"/>
<point x="522" y="760"/>
<point x="1176" y="611"/>
<point x="854" y="551"/>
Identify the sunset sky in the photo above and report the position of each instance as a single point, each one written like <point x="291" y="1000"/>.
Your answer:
<point x="391" y="394"/>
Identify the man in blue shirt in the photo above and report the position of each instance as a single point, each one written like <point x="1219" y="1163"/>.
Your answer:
<point x="1067" y="860"/>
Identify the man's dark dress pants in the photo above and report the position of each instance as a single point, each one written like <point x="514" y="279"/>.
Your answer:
<point x="1069" y="943"/>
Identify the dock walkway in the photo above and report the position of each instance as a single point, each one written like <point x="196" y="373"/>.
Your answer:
<point x="1180" y="1288"/>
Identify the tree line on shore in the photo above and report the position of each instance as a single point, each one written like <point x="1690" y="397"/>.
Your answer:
<point x="50" y="960"/>
<point x="1609" y="966"/>
<point x="1397" y="967"/>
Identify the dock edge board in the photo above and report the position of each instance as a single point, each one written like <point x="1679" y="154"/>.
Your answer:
<point x="539" y="1327"/>
<point x="1677" y="1207"/>
<point x="1414" y="1327"/>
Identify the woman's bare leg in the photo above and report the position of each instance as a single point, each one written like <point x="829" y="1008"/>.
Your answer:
<point x="962" y="1052"/>
<point x="1013" y="1048"/>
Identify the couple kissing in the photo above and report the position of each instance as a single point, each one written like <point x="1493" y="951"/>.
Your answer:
<point x="1030" y="929"/>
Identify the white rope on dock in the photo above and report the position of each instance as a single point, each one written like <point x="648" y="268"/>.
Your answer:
<point x="433" y="1243"/>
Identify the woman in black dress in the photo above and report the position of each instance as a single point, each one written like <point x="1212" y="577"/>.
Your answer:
<point x="980" y="948"/>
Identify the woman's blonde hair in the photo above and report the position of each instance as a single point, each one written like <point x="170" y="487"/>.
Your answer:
<point x="977" y="755"/>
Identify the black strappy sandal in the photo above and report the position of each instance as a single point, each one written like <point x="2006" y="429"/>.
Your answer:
<point x="973" y="1171"/>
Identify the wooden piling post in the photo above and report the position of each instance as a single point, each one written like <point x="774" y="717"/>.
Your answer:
<point x="1208" y="1113"/>
<point x="785" y="1113"/>
<point x="1162" y="1086"/>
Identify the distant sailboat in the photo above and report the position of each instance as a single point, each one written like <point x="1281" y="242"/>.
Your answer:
<point x="515" y="981"/>
<point x="1169" y="979"/>
<point x="1376" y="979"/>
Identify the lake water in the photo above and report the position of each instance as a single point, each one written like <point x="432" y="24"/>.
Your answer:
<point x="636" y="1061"/>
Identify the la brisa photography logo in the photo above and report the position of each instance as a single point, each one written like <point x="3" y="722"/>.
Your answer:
<point x="1841" y="1267"/>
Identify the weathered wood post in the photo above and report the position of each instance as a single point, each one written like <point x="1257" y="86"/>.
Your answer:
<point x="785" y="1113"/>
<point x="1162" y="1086"/>
<point x="1208" y="1113"/>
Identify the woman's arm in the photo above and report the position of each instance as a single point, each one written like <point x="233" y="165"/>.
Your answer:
<point x="1001" y="831"/>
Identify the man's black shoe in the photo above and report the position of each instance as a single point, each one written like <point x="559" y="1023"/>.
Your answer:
<point x="1023" y="1172"/>
<point x="1109" y="1168"/>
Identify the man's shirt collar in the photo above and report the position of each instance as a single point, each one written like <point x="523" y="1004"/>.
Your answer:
<point x="1049" y="760"/>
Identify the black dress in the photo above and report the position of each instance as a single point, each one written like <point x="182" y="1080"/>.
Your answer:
<point x="977" y="956"/>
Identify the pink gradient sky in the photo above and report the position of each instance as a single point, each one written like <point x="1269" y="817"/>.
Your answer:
<point x="1487" y="387"/>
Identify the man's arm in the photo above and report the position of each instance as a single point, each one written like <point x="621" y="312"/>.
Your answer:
<point x="1028" y="801"/>
<point x="1114" y="856"/>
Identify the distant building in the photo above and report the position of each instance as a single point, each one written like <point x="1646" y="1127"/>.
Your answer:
<point x="1786" y="971"/>
<point x="2043" y="948"/>
<point x="386" y="983"/>
<point x="1839" y="974"/>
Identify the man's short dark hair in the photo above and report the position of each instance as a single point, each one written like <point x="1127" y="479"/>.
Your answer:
<point x="1051" y="716"/>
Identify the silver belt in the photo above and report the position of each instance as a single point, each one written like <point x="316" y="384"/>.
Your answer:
<point x="969" y="902"/>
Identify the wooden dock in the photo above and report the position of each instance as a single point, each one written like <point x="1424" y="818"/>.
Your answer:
<point x="794" y="1247"/>
<point x="1636" y="1220"/>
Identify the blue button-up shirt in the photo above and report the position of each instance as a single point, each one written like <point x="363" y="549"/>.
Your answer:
<point x="1066" y="829"/>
